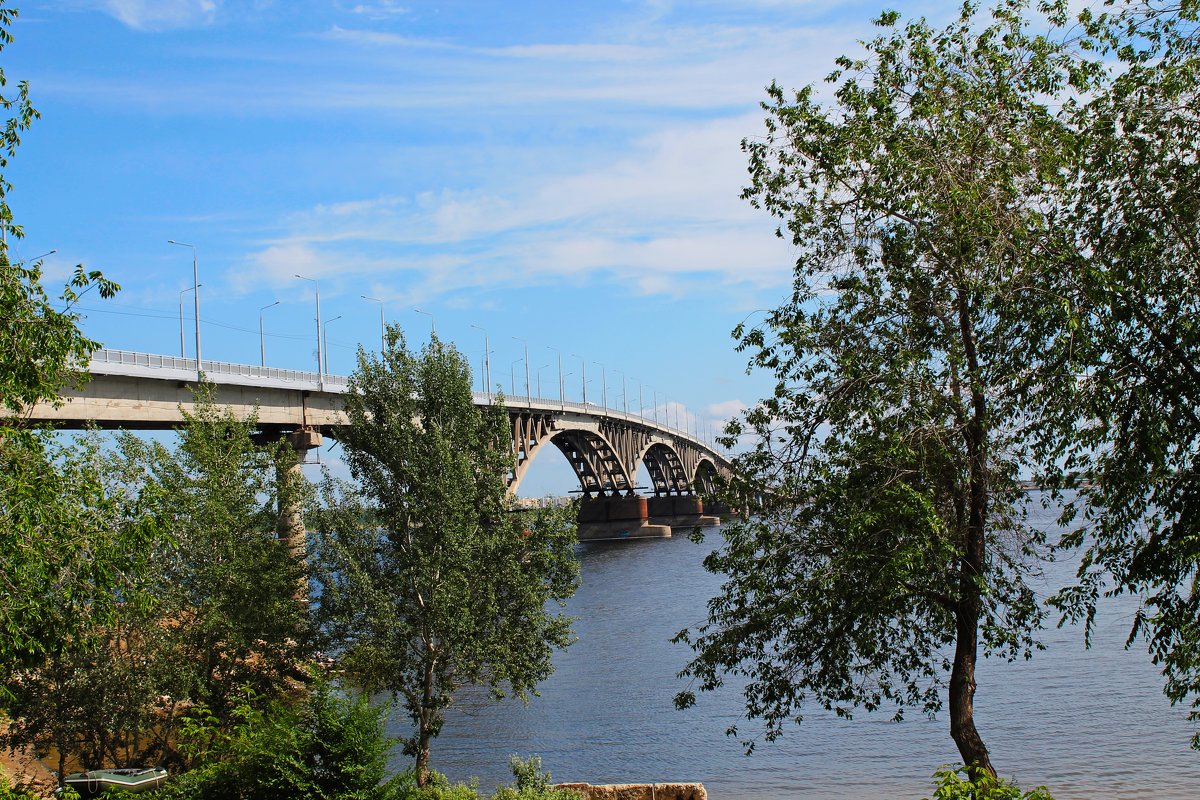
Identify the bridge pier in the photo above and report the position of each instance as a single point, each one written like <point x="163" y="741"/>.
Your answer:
<point x="290" y="527"/>
<point x="679" y="511"/>
<point x="617" y="518"/>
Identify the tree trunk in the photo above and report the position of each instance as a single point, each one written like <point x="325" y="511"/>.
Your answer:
<point x="425" y="723"/>
<point x="970" y="565"/>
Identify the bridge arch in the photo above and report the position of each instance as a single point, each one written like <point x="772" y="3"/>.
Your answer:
<point x="705" y="478"/>
<point x="666" y="470"/>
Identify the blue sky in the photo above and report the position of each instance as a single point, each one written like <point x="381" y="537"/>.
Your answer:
<point x="564" y="172"/>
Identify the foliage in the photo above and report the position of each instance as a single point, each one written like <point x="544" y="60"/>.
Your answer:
<point x="40" y="347"/>
<point x="978" y="784"/>
<point x="531" y="783"/>
<point x="1130" y="430"/>
<point x="891" y="543"/>
<point x="326" y="747"/>
<point x="429" y="580"/>
<point x="225" y="612"/>
<point x="83" y="550"/>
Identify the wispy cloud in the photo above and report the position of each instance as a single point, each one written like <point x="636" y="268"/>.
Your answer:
<point x="157" y="15"/>
<point x="660" y="219"/>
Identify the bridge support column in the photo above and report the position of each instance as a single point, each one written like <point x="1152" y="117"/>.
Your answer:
<point x="617" y="518"/>
<point x="679" y="511"/>
<point x="290" y="527"/>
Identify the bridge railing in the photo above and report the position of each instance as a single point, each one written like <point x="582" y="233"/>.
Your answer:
<point x="155" y="361"/>
<point x="338" y="383"/>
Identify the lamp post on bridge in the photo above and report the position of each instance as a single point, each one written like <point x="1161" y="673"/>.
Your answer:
<point x="487" y="363"/>
<point x="325" y="339"/>
<point x="583" y="363"/>
<point x="528" y="400"/>
<point x="624" y="397"/>
<point x="262" y="339"/>
<point x="539" y="377"/>
<point x="641" y="402"/>
<point x="562" y="399"/>
<point x="512" y="376"/>
<point x="182" y="343"/>
<point x="603" y="385"/>
<point x="195" y="298"/>
<point x="655" y="402"/>
<point x="382" y="323"/>
<point x="320" y="351"/>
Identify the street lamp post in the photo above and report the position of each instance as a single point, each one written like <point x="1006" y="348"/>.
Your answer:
<point x="527" y="397"/>
<point x="325" y="337"/>
<point x="641" y="402"/>
<point x="382" y="323"/>
<point x="195" y="297"/>
<point x="561" y="394"/>
<point x="320" y="352"/>
<point x="539" y="377"/>
<point x="512" y="376"/>
<point x="487" y="363"/>
<point x="262" y="339"/>
<point x="654" y="393"/>
<point x="583" y="378"/>
<point x="624" y="397"/>
<point x="182" y="342"/>
<point x="603" y="384"/>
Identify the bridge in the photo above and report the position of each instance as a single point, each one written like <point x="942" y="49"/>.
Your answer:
<point x="604" y="446"/>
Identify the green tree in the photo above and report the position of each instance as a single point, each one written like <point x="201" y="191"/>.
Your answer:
<point x="230" y="618"/>
<point x="892" y="545"/>
<point x="41" y="348"/>
<point x="1131" y="426"/>
<point x="77" y="690"/>
<point x="429" y="579"/>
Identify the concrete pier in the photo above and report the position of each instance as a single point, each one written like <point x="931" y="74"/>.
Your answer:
<point x="617" y="518"/>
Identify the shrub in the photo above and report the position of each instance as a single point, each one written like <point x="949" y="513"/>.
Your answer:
<point x="957" y="782"/>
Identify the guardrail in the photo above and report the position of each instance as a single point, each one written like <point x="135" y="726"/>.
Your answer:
<point x="338" y="384"/>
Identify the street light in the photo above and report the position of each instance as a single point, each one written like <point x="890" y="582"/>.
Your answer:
<point x="320" y="352"/>
<point x="655" y="402"/>
<point x="583" y="362"/>
<point x="182" y="346"/>
<point x="539" y="377"/>
<point x="519" y="339"/>
<point x="561" y="394"/>
<point x="262" y="339"/>
<point x="382" y="323"/>
<point x="487" y="363"/>
<point x="512" y="377"/>
<point x="624" y="397"/>
<point x="603" y="385"/>
<point x="196" y="298"/>
<point x="432" y="321"/>
<point x="325" y="338"/>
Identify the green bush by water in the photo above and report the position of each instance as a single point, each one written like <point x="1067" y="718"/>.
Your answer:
<point x="956" y="782"/>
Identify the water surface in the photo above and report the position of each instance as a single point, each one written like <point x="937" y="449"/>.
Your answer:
<point x="1086" y="723"/>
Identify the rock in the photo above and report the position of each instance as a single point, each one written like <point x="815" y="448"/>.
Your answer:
<point x="638" y="791"/>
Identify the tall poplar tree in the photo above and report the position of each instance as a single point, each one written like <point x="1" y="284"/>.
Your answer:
<point x="892" y="547"/>
<point x="430" y="579"/>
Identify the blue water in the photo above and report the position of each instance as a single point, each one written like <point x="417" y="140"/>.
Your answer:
<point x="1086" y="723"/>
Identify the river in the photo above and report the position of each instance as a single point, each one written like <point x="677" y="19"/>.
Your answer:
<point x="1088" y="724"/>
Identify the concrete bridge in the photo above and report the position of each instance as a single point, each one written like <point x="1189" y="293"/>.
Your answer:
<point x="605" y="447"/>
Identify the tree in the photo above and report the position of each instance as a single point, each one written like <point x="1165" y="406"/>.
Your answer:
<point x="46" y="523"/>
<point x="229" y="619"/>
<point x="429" y="579"/>
<point x="201" y="618"/>
<point x="892" y="542"/>
<point x="1130" y="428"/>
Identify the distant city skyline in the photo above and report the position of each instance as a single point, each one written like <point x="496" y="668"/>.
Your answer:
<point x="562" y="178"/>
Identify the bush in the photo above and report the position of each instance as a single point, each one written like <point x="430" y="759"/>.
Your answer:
<point x="325" y="748"/>
<point x="975" y="783"/>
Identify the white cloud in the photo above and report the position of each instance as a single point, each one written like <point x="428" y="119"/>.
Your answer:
<point x="157" y="15"/>
<point x="660" y="218"/>
<point x="726" y="409"/>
